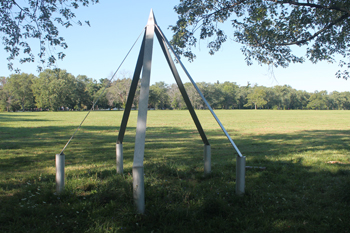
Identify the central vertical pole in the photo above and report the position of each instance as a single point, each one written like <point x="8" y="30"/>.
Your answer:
<point x="137" y="170"/>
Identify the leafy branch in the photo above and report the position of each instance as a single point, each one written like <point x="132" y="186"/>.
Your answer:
<point x="267" y="28"/>
<point x="36" y="19"/>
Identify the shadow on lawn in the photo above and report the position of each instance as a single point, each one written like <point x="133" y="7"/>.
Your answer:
<point x="97" y="143"/>
<point x="22" y="117"/>
<point x="288" y="196"/>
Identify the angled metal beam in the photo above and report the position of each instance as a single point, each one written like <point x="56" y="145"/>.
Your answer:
<point x="132" y="91"/>
<point x="200" y="93"/>
<point x="182" y="89"/>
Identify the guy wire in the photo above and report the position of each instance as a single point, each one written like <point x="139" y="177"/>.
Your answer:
<point x="109" y="81"/>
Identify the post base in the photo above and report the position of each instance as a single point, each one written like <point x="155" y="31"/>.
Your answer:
<point x="207" y="159"/>
<point x="240" y="175"/>
<point x="119" y="158"/>
<point x="139" y="189"/>
<point x="60" y="160"/>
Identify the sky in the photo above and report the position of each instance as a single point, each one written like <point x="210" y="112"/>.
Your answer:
<point x="98" y="51"/>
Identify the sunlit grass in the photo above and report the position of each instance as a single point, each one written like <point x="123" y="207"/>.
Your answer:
<point x="304" y="188"/>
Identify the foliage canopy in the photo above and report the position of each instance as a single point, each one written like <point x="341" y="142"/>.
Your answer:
<point x="59" y="90"/>
<point x="268" y="28"/>
<point x="21" y="21"/>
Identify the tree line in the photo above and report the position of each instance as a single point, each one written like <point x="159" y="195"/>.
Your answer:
<point x="56" y="89"/>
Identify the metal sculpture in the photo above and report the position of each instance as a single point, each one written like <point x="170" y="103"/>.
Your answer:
<point x="144" y="63"/>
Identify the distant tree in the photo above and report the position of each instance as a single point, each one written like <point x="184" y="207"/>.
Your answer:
<point x="229" y="92"/>
<point x="318" y="100"/>
<point x="267" y="29"/>
<point x="212" y="93"/>
<point x="257" y="98"/>
<point x="282" y="94"/>
<point x="22" y="21"/>
<point x="92" y="87"/>
<point x="270" y="97"/>
<point x="158" y="96"/>
<point x="19" y="87"/>
<point x="335" y="100"/>
<point x="4" y="95"/>
<point x="345" y="100"/>
<point x="193" y="95"/>
<point x="117" y="93"/>
<point x="54" y="89"/>
<point x="81" y="95"/>
<point x="101" y="94"/>
<point x="175" y="98"/>
<point x="303" y="98"/>
<point x="242" y="94"/>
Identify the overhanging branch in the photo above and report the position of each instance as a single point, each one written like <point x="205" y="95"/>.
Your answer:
<point x="312" y="5"/>
<point x="228" y="7"/>
<point x="299" y="42"/>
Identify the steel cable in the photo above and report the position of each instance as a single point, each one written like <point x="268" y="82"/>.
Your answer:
<point x="109" y="81"/>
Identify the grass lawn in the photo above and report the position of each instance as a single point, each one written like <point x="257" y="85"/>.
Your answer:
<point x="304" y="188"/>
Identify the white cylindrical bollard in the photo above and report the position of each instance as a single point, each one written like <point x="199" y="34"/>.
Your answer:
<point x="138" y="189"/>
<point x="60" y="159"/>
<point x="240" y="175"/>
<point x="119" y="158"/>
<point x="207" y="159"/>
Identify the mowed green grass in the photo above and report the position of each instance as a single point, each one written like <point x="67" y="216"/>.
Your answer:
<point x="304" y="188"/>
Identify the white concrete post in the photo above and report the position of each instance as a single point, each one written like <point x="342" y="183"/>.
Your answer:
<point x="60" y="160"/>
<point x="240" y="175"/>
<point x="138" y="189"/>
<point x="207" y="159"/>
<point x="119" y="158"/>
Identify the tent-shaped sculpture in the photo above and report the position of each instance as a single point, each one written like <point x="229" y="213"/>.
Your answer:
<point x="143" y="64"/>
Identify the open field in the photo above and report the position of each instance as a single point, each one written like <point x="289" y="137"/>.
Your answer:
<point x="301" y="190"/>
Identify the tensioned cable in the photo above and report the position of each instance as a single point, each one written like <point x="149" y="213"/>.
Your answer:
<point x="109" y="81"/>
<point x="200" y="93"/>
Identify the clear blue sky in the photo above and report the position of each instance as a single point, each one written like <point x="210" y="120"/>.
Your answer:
<point x="98" y="50"/>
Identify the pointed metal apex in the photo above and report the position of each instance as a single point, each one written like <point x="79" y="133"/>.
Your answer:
<point x="151" y="18"/>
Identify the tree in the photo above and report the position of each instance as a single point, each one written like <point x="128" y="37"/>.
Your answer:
<point x="282" y="94"/>
<point x="229" y="91"/>
<point x="81" y="95"/>
<point x="4" y="95"/>
<point x="242" y="94"/>
<point x="267" y="29"/>
<point x="21" y="21"/>
<point x="318" y="100"/>
<point x="344" y="98"/>
<point x="101" y="94"/>
<point x="92" y="87"/>
<point x="175" y="97"/>
<point x="257" y="98"/>
<point x="158" y="96"/>
<point x="20" y="88"/>
<point x="117" y="93"/>
<point x="54" y="89"/>
<point x="270" y="98"/>
<point x="193" y="95"/>
<point x="303" y="97"/>
<point x="212" y="93"/>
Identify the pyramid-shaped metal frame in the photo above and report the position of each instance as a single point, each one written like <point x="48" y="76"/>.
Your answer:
<point x="144" y="64"/>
